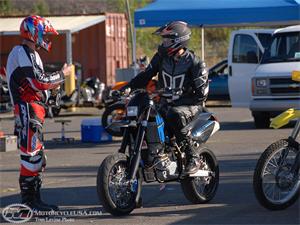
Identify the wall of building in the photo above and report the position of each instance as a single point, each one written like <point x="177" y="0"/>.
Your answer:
<point x="100" y="49"/>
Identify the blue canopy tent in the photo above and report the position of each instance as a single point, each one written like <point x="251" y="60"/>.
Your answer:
<point x="219" y="12"/>
<point x="213" y="13"/>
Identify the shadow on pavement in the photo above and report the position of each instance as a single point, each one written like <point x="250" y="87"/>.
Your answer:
<point x="66" y="197"/>
<point x="76" y="144"/>
<point x="58" y="132"/>
<point x="230" y="204"/>
<point x="249" y="125"/>
<point x="77" y="114"/>
<point x="234" y="202"/>
<point x="57" y="171"/>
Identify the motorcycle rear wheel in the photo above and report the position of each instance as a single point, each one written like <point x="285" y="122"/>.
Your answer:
<point x="269" y="175"/>
<point x="199" y="190"/>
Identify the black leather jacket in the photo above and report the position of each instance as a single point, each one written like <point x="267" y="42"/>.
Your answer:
<point x="187" y="73"/>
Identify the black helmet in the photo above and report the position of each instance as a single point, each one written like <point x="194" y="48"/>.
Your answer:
<point x="175" y="36"/>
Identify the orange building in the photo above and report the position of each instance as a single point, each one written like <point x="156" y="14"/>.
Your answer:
<point x="97" y="42"/>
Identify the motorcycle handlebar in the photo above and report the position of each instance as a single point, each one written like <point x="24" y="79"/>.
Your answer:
<point x="167" y="93"/>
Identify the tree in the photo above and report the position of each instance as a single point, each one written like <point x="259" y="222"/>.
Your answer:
<point x="41" y="8"/>
<point x="6" y="7"/>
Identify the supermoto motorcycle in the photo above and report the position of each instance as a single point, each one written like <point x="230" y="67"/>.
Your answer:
<point x="148" y="154"/>
<point x="276" y="179"/>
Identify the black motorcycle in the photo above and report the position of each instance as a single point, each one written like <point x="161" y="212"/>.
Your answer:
<point x="148" y="154"/>
<point x="89" y="95"/>
<point x="115" y="110"/>
<point x="276" y="179"/>
<point x="5" y="103"/>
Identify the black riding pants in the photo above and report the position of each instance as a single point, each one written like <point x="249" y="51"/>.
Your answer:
<point x="177" y="117"/>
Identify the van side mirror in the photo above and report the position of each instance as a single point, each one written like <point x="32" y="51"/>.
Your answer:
<point x="252" y="57"/>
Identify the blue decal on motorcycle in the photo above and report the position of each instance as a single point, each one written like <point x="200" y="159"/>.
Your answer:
<point x="134" y="186"/>
<point x="160" y="127"/>
<point x="142" y="163"/>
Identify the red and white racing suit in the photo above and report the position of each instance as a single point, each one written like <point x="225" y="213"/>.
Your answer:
<point x="27" y="84"/>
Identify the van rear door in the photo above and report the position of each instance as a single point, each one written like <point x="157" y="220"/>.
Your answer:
<point x="245" y="51"/>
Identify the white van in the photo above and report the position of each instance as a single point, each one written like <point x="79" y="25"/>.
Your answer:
<point x="246" y="48"/>
<point x="273" y="90"/>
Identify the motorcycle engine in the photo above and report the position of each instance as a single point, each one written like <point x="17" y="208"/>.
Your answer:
<point x="87" y="94"/>
<point x="165" y="168"/>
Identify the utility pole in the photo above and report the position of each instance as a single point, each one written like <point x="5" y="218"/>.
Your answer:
<point x="132" y="35"/>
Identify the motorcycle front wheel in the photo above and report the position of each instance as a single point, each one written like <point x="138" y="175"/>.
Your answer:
<point x="275" y="187"/>
<point x="199" y="190"/>
<point x="118" y="195"/>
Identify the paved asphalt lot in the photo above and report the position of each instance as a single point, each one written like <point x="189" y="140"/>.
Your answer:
<point x="71" y="177"/>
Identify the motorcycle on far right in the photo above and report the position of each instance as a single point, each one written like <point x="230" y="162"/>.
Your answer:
<point x="276" y="179"/>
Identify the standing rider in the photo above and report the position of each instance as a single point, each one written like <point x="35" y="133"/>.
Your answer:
<point x="178" y="68"/>
<point x="28" y="87"/>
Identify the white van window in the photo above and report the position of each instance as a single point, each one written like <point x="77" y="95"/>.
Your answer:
<point x="245" y="49"/>
<point x="285" y="47"/>
<point x="265" y="39"/>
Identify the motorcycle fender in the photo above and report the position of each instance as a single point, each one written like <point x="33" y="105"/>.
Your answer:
<point x="284" y="118"/>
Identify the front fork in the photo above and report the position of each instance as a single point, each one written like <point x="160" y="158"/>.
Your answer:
<point x="296" y="165"/>
<point x="136" y="154"/>
<point x="294" y="144"/>
<point x="294" y="135"/>
<point x="125" y="140"/>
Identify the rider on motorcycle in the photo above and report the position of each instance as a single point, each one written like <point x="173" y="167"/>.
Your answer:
<point x="28" y="86"/>
<point x="178" y="68"/>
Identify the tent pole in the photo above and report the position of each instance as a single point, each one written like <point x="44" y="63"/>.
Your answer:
<point x="202" y="43"/>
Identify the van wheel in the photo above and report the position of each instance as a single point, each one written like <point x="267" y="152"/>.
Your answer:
<point x="261" y="119"/>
